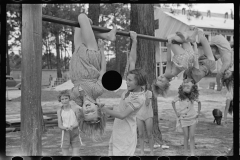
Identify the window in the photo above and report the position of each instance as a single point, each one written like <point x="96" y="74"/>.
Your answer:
<point x="207" y="36"/>
<point x="158" y="69"/>
<point x="228" y="38"/>
<point x="156" y="24"/>
<point x="164" y="66"/>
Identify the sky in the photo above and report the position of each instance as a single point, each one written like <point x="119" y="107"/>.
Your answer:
<point x="214" y="7"/>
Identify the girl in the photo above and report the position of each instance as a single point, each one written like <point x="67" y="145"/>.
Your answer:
<point x="221" y="49"/>
<point x="88" y="63"/>
<point x="229" y="96"/>
<point x="188" y="117"/>
<point x="183" y="58"/>
<point x="67" y="121"/>
<point x="123" y="140"/>
<point x="145" y="118"/>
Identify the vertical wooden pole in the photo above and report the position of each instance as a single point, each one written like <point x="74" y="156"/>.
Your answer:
<point x="31" y="116"/>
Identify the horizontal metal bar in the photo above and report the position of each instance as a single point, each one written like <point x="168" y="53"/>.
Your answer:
<point x="96" y="28"/>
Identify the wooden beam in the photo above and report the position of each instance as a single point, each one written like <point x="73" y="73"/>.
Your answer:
<point x="31" y="115"/>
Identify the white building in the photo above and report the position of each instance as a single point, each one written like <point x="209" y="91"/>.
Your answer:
<point x="167" y="23"/>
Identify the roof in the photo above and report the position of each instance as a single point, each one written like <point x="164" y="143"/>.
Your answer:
<point x="206" y="22"/>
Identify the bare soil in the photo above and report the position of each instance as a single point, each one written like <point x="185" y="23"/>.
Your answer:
<point x="210" y="139"/>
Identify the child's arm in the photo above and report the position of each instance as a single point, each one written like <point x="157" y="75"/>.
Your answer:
<point x="103" y="62"/>
<point x="76" y="112"/>
<point x="174" y="107"/>
<point x="116" y="114"/>
<point x="226" y="62"/>
<point x="199" y="107"/>
<point x="60" y="121"/>
<point x="196" y="64"/>
<point x="169" y="62"/>
<point x="133" y="52"/>
<point x="148" y="98"/>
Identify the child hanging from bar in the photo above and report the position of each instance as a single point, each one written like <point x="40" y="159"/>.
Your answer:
<point x="87" y="67"/>
<point x="185" y="58"/>
<point x="123" y="140"/>
<point x="187" y="117"/>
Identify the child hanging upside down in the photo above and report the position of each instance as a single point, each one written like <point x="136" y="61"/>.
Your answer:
<point x="88" y="63"/>
<point x="184" y="58"/>
<point x="87" y="67"/>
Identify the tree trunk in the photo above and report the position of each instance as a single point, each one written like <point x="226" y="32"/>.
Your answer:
<point x="7" y="56"/>
<point x="59" y="74"/>
<point x="93" y="13"/>
<point x="146" y="52"/>
<point x="31" y="114"/>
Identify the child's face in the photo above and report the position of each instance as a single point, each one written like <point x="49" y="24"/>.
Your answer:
<point x="161" y="80"/>
<point x="227" y="73"/>
<point x="131" y="82"/>
<point x="90" y="110"/>
<point x="65" y="100"/>
<point x="187" y="86"/>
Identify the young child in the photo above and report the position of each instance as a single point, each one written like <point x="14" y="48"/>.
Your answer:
<point x="228" y="82"/>
<point x="92" y="121"/>
<point x="188" y="117"/>
<point x="88" y="63"/>
<point x="183" y="59"/>
<point x="67" y="121"/>
<point x="123" y="140"/>
<point x="221" y="49"/>
<point x="145" y="118"/>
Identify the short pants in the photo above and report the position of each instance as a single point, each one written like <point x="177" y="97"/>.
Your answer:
<point x="70" y="138"/>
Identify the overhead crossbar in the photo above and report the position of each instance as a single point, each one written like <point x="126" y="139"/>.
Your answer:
<point x="96" y="28"/>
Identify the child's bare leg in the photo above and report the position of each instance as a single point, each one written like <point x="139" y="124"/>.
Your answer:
<point x="192" y="141"/>
<point x="65" y="151"/>
<point x="87" y="35"/>
<point x="75" y="151"/>
<point x="176" y="38"/>
<point x="187" y="46"/>
<point x="111" y="36"/>
<point x="186" y="137"/>
<point x="140" y="125"/>
<point x="206" y="47"/>
<point x="149" y="126"/>
<point x="176" y="49"/>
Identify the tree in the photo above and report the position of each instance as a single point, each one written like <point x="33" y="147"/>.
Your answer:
<point x="146" y="52"/>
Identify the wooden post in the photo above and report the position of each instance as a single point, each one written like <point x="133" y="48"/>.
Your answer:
<point x="31" y="116"/>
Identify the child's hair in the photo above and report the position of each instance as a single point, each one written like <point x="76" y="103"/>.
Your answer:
<point x="160" y="90"/>
<point x="63" y="93"/>
<point x="140" y="76"/>
<point x="228" y="81"/>
<point x="193" y="95"/>
<point x="93" y="129"/>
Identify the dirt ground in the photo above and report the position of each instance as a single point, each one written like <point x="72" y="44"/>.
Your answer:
<point x="210" y="139"/>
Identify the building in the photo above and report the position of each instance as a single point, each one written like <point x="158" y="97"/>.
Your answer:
<point x="168" y="23"/>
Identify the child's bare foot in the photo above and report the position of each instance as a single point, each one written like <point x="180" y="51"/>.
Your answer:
<point x="112" y="33"/>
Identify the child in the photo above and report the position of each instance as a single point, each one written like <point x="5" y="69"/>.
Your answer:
<point x="188" y="93"/>
<point x="92" y="121"/>
<point x="123" y="140"/>
<point x="88" y="63"/>
<point x="221" y="49"/>
<point x="229" y="96"/>
<point x="67" y="121"/>
<point x="145" y="118"/>
<point x="183" y="59"/>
